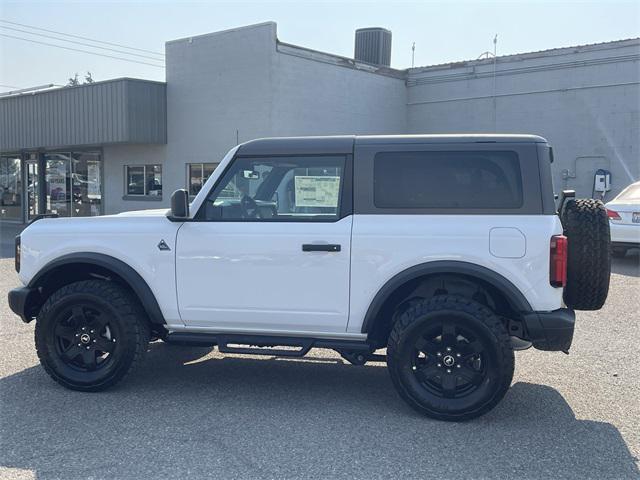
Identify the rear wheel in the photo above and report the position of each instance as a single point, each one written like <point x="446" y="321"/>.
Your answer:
<point x="450" y="358"/>
<point x="89" y="334"/>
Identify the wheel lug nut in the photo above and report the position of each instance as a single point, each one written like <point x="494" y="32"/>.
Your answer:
<point x="88" y="348"/>
<point x="83" y="329"/>
<point x="77" y="334"/>
<point x="79" y="345"/>
<point x="458" y="366"/>
<point x="94" y="341"/>
<point x="448" y="349"/>
<point x="439" y="354"/>
<point x="448" y="370"/>
<point x="439" y="365"/>
<point x="458" y="355"/>
<point x="92" y="331"/>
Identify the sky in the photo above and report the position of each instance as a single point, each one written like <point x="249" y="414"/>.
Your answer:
<point x="442" y="31"/>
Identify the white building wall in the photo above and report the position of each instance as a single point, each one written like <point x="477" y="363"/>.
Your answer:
<point x="240" y="84"/>
<point x="237" y="85"/>
<point x="584" y="100"/>
<point x="115" y="157"/>
<point x="219" y="91"/>
<point x="315" y="94"/>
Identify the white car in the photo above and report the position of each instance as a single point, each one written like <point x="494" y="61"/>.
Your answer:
<point x="446" y="250"/>
<point x="624" y="218"/>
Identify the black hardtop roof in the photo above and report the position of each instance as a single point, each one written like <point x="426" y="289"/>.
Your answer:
<point x="338" y="144"/>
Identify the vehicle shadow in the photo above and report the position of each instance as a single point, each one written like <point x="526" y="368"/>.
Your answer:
<point x="189" y="414"/>
<point x="628" y="265"/>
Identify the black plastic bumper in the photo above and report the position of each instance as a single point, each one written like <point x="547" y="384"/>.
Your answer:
<point x="24" y="302"/>
<point x="551" y="331"/>
<point x="625" y="244"/>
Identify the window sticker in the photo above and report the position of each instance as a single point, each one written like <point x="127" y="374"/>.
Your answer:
<point x="317" y="191"/>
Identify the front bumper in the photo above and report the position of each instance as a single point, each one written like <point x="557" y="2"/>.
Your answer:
<point x="24" y="301"/>
<point x="551" y="331"/>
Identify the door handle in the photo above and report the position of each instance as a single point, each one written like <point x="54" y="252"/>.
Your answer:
<point x="320" y="247"/>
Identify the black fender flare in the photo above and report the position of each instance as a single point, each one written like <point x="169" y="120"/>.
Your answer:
<point x="515" y="297"/>
<point x="132" y="278"/>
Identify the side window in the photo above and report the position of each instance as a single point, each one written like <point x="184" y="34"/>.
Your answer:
<point x="291" y="188"/>
<point x="470" y="180"/>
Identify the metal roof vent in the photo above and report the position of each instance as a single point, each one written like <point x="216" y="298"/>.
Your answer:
<point x="373" y="45"/>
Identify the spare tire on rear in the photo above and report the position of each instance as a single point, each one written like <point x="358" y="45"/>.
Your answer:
<point x="586" y="225"/>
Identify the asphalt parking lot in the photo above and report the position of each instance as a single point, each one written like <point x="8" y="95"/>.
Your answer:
<point x="192" y="413"/>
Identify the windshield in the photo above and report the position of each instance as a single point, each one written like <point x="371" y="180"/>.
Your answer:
<point x="632" y="193"/>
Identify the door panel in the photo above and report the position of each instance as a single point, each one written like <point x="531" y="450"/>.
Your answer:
<point x="270" y="248"/>
<point x="255" y="275"/>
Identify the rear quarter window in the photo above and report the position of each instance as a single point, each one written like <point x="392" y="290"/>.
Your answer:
<point x="442" y="180"/>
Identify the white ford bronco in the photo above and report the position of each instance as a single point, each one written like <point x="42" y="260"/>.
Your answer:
<point x="448" y="251"/>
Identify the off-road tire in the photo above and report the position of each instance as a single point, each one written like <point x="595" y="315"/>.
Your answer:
<point x="125" y="315"/>
<point x="473" y="316"/>
<point x="586" y="225"/>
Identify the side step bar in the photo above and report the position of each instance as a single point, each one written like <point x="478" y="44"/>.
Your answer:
<point x="267" y="345"/>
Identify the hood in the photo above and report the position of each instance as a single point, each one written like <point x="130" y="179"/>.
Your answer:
<point x="156" y="212"/>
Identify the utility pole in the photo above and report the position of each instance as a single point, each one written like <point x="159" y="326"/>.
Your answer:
<point x="413" y="54"/>
<point x="495" y="106"/>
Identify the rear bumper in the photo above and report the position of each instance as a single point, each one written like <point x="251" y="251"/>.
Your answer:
<point x="625" y="244"/>
<point x="551" y="331"/>
<point x="24" y="302"/>
<point x="624" y="233"/>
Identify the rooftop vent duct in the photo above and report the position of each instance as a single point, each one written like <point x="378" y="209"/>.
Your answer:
<point x="373" y="45"/>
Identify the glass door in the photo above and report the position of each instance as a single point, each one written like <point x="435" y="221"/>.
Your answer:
<point x="11" y="193"/>
<point x="32" y="189"/>
<point x="58" y="180"/>
<point x="87" y="184"/>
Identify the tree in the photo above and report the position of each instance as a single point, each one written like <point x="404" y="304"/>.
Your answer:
<point x="73" y="81"/>
<point x="87" y="78"/>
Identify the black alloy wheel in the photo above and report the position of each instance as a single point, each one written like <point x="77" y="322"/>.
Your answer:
<point x="85" y="339"/>
<point x="90" y="334"/>
<point x="450" y="358"/>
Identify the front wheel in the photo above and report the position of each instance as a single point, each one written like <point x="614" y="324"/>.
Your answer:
<point x="89" y="334"/>
<point x="450" y="358"/>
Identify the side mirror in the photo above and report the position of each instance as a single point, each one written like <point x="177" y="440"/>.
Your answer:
<point x="180" y="205"/>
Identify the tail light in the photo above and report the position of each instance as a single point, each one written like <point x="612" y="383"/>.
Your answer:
<point x="613" y="215"/>
<point x="558" y="261"/>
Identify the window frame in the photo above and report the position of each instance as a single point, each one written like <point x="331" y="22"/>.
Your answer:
<point x="145" y="195"/>
<point x="529" y="170"/>
<point x="188" y="176"/>
<point x="345" y="202"/>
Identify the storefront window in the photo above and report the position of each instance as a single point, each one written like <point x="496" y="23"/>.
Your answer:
<point x="10" y="188"/>
<point x="198" y="174"/>
<point x="87" y="184"/>
<point x="143" y="180"/>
